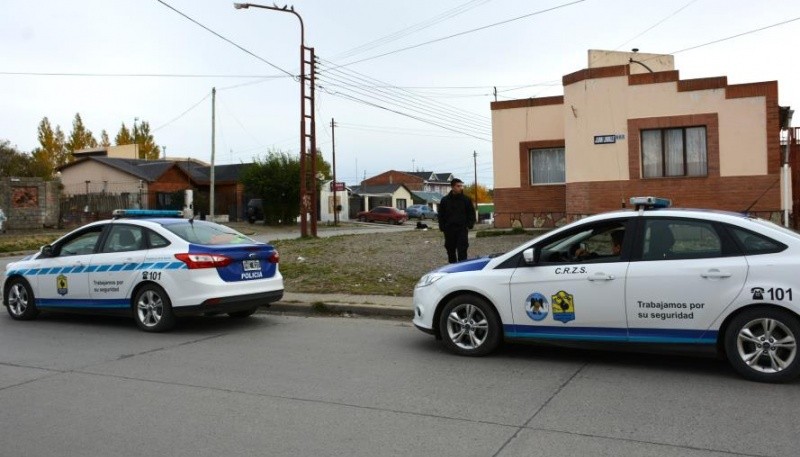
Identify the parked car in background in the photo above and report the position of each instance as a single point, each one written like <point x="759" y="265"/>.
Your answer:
<point x="421" y="212"/>
<point x="255" y="210"/>
<point x="383" y="214"/>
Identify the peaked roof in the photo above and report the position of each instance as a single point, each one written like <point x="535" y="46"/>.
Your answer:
<point x="429" y="197"/>
<point x="431" y="176"/>
<point x="152" y="170"/>
<point x="382" y="189"/>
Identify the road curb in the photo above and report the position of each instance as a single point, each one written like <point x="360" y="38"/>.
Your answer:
<point x="322" y="308"/>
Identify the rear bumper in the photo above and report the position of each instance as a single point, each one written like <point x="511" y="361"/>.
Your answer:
<point x="230" y="304"/>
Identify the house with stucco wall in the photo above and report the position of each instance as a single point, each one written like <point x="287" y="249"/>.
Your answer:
<point x="628" y="125"/>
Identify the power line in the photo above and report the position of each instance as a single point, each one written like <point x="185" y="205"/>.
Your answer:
<point x="375" y="105"/>
<point x="183" y="113"/>
<point x="227" y="40"/>
<point x="461" y="33"/>
<point x="135" y="75"/>
<point x="453" y="12"/>
<point x="411" y="104"/>
<point x="737" y="35"/>
<point x="657" y="23"/>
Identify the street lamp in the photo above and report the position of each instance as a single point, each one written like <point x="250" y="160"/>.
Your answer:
<point x="308" y="197"/>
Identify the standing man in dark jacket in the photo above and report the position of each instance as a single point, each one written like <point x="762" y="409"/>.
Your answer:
<point x="456" y="217"/>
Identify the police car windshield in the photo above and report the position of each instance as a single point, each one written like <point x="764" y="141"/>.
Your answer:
<point x="207" y="233"/>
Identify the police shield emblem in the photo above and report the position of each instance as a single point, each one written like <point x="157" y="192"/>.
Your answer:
<point x="62" y="286"/>
<point x="563" y="307"/>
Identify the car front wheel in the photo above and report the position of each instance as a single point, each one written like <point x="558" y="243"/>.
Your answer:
<point x="19" y="300"/>
<point x="152" y="309"/>
<point x="470" y="326"/>
<point x="761" y="344"/>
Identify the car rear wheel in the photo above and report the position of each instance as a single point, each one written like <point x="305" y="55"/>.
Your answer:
<point x="243" y="314"/>
<point x="761" y="344"/>
<point x="19" y="300"/>
<point x="152" y="309"/>
<point x="470" y="326"/>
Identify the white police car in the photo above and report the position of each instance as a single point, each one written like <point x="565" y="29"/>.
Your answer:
<point x="684" y="279"/>
<point x="151" y="264"/>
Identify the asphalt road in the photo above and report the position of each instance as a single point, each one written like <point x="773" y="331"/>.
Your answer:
<point x="296" y="386"/>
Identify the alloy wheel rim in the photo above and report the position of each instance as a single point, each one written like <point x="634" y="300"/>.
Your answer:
<point x="150" y="308"/>
<point x="766" y="345"/>
<point x="467" y="326"/>
<point x="18" y="299"/>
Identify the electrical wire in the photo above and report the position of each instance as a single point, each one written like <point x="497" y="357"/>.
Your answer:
<point x="135" y="75"/>
<point x="247" y="51"/>
<point x="461" y="33"/>
<point x="453" y="12"/>
<point x="450" y="117"/>
<point x="183" y="113"/>
<point x="737" y="35"/>
<point x="657" y="23"/>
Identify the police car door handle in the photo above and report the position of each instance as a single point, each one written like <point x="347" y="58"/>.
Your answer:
<point x="600" y="277"/>
<point x="716" y="274"/>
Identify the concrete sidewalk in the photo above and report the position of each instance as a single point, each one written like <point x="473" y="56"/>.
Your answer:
<point x="365" y="305"/>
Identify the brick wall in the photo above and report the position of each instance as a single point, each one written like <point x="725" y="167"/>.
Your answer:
<point x="172" y="181"/>
<point x="30" y="203"/>
<point x="395" y="177"/>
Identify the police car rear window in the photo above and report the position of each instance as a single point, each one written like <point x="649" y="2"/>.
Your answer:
<point x="753" y="243"/>
<point x="207" y="233"/>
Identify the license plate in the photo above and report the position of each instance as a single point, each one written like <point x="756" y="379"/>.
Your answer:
<point x="251" y="265"/>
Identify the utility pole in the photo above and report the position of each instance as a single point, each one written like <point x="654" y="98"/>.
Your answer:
<point x="475" y="167"/>
<point x="335" y="184"/>
<point x="213" y="146"/>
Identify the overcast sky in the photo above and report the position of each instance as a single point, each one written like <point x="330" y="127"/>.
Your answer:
<point x="443" y="88"/>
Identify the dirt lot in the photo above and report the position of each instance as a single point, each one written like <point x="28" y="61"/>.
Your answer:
<point x="383" y="264"/>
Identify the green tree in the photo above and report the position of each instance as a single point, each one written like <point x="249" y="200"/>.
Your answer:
<point x="276" y="179"/>
<point x="123" y="136"/>
<point x="80" y="138"/>
<point x="13" y="162"/>
<point x="51" y="153"/>
<point x="104" y="141"/>
<point x="148" y="149"/>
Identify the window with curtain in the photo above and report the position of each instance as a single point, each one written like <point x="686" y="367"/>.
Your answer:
<point x="547" y="166"/>
<point x="674" y="152"/>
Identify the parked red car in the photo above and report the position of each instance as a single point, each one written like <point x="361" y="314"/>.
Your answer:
<point x="383" y="214"/>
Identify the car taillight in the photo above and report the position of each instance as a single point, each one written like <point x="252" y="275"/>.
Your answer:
<point x="194" y="261"/>
<point x="274" y="257"/>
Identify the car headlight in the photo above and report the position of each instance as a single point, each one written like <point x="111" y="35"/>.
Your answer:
<point x="429" y="279"/>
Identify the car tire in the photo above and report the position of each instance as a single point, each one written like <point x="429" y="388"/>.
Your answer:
<point x="152" y="309"/>
<point x="19" y="300"/>
<point x="470" y="326"/>
<point x="244" y="313"/>
<point x="762" y="345"/>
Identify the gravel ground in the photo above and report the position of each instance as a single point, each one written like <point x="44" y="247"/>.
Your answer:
<point x="378" y="263"/>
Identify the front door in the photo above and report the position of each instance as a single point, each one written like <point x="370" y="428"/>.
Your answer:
<point x="576" y="289"/>
<point x="62" y="278"/>
<point x="114" y="268"/>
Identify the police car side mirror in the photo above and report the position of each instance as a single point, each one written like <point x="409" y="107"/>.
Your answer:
<point x="46" y="250"/>
<point x="530" y="256"/>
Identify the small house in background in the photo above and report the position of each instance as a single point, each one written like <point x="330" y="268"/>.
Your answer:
<point x="364" y="198"/>
<point x="421" y="181"/>
<point x="328" y="206"/>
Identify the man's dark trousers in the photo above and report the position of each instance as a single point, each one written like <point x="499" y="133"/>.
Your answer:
<point x="456" y="244"/>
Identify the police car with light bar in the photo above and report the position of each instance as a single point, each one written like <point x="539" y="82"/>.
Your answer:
<point x="151" y="264"/>
<point x="699" y="280"/>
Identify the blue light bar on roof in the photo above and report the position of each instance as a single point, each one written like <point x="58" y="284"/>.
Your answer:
<point x="132" y="213"/>
<point x="650" y="202"/>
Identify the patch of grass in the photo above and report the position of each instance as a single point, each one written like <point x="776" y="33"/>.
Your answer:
<point x="19" y="243"/>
